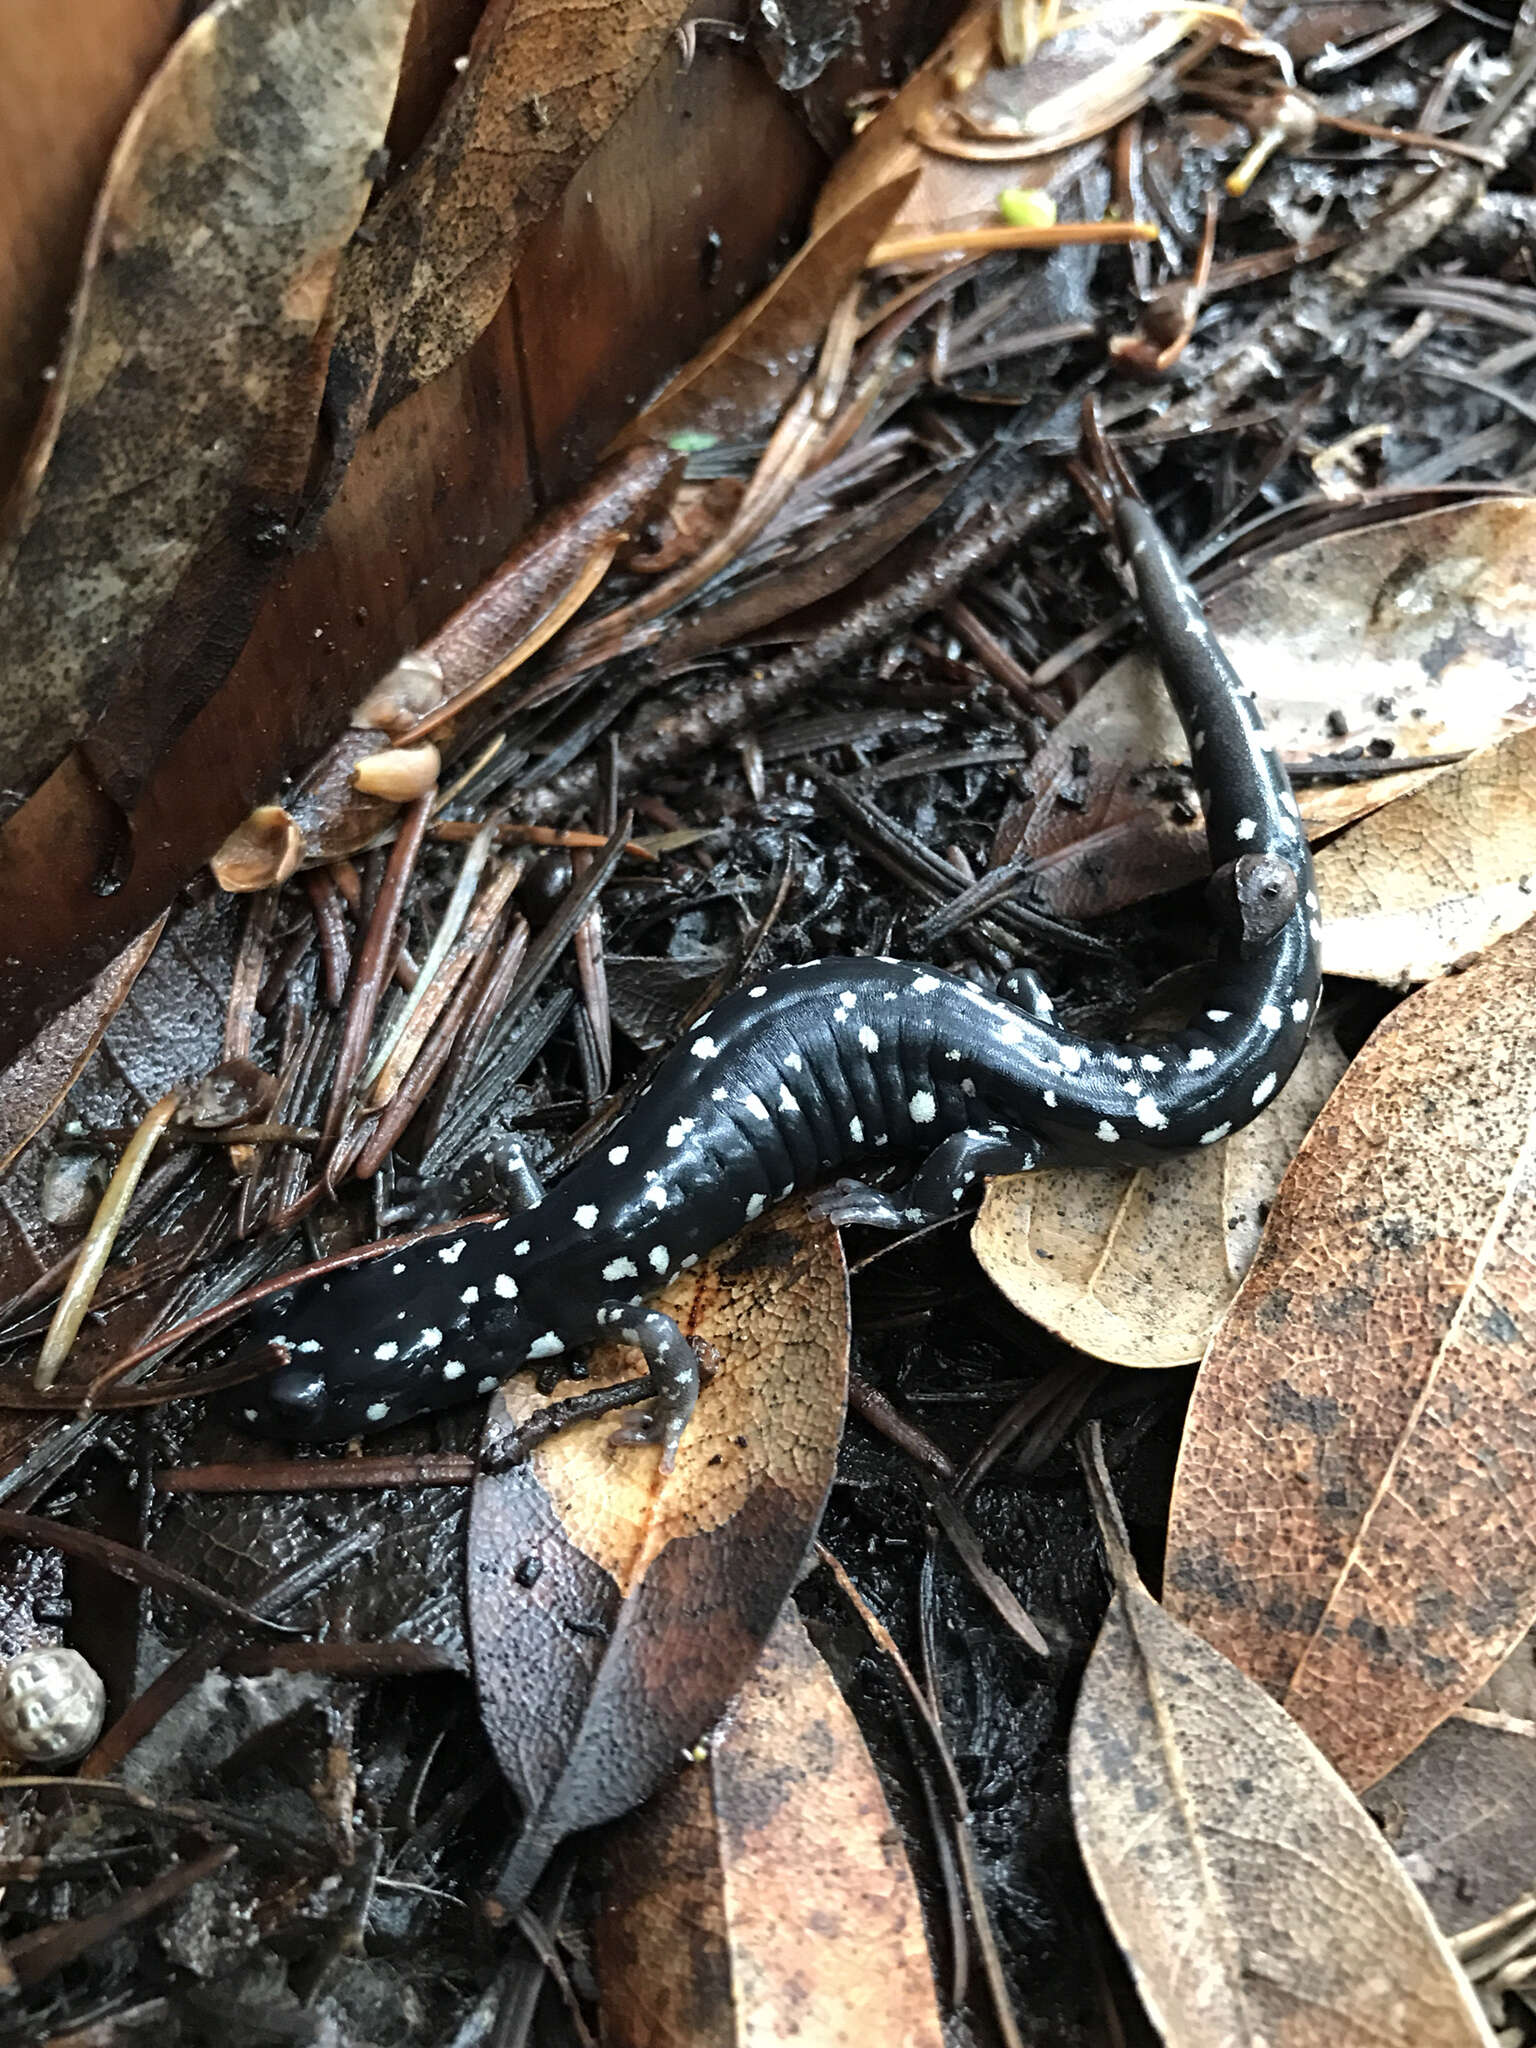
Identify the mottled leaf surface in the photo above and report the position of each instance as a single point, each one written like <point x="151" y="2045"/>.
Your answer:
<point x="1255" y="1899"/>
<point x="614" y="1610"/>
<point x="1354" y="1511"/>
<point x="1434" y="878"/>
<point x="180" y="428"/>
<point x="764" y="1895"/>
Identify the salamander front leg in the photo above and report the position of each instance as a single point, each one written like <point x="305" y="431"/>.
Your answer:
<point x="669" y="1391"/>
<point x="938" y="1187"/>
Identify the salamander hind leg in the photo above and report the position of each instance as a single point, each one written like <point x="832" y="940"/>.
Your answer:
<point x="941" y="1184"/>
<point x="668" y="1392"/>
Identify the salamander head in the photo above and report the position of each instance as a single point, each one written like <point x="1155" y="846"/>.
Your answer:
<point x="1254" y="896"/>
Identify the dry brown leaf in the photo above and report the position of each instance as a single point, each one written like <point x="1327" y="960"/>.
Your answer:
<point x="1354" y="1518"/>
<point x="614" y="1611"/>
<point x="1420" y="632"/>
<point x="741" y="382"/>
<point x="763" y="1895"/>
<point x="179" y="432"/>
<point x="1435" y="879"/>
<point x="541" y="88"/>
<point x="1255" y="1899"/>
<point x="1139" y="1267"/>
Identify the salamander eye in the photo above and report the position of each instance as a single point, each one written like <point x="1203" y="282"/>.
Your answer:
<point x="1254" y="896"/>
<point x="297" y="1393"/>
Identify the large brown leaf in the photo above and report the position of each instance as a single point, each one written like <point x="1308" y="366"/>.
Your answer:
<point x="540" y="89"/>
<point x="182" y="422"/>
<point x="1255" y="1899"/>
<point x="763" y="1895"/>
<point x="1354" y="1520"/>
<point x="613" y="1610"/>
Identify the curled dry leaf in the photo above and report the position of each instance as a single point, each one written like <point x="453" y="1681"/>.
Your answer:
<point x="764" y="1895"/>
<point x="966" y="115"/>
<point x="1254" y="1897"/>
<point x="541" y="88"/>
<point x="1139" y="1267"/>
<point x="613" y="1612"/>
<point x="1419" y="633"/>
<point x="1354" y="1518"/>
<point x="1434" y="879"/>
<point x="179" y="431"/>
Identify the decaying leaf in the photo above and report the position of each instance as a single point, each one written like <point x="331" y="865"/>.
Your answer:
<point x="1138" y="1267"/>
<point x="1418" y="635"/>
<point x="180" y="429"/>
<point x="37" y="1081"/>
<point x="763" y="1895"/>
<point x="1254" y="1897"/>
<point x="1434" y="879"/>
<point x="613" y="1612"/>
<point x="540" y="90"/>
<point x="1461" y="1811"/>
<point x="1354" y="1519"/>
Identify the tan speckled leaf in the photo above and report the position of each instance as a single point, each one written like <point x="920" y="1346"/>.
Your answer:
<point x="764" y="1896"/>
<point x="1354" y="1518"/>
<point x="1420" y="632"/>
<point x="1437" y="877"/>
<point x="1257" y="1902"/>
<point x="1138" y="1267"/>
<point x="651" y="1596"/>
<point x="178" y="434"/>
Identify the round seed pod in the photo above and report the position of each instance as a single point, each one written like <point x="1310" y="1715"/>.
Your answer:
<point x="52" y="1705"/>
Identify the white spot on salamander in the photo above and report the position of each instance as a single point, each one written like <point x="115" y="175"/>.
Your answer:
<point x="547" y="1346"/>
<point x="760" y="990"/>
<point x="376" y="1410"/>
<point x="1265" y="1089"/>
<point x="621" y="1269"/>
<point x="1147" y="1112"/>
<point x="521" y="1249"/>
<point x="428" y="1340"/>
<point x="453" y="1369"/>
<point x="617" y="1154"/>
<point x="470" y="1296"/>
<point x="1049" y="1098"/>
<point x="856" y="1130"/>
<point x="488" y="1385"/>
<point x="1150" y="1064"/>
<point x="1211" y="1137"/>
<point x="679" y="1131"/>
<point x="1219" y="1016"/>
<point x="758" y="1108"/>
<point x="922" y="1108"/>
<point x="1107" y="1133"/>
<point x="308" y="1344"/>
<point x="660" y="1258"/>
<point x="704" y="1049"/>
<point x="793" y="1061"/>
<point x="586" y="1216"/>
<point x="656" y="1194"/>
<point x="787" y="1101"/>
<point x="1202" y="1056"/>
<point x="450" y="1252"/>
<point x="870" y="1040"/>
<point x="1245" y="828"/>
<point x="1301" y="1009"/>
<point x="398" y="1267"/>
<point x="755" y="1207"/>
<point x="925" y="985"/>
<point x="1270" y="1017"/>
<point x="1071" y="1059"/>
<point x="385" y="1352"/>
<point x="505" y="1286"/>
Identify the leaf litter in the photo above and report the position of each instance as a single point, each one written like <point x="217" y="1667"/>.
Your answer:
<point x="881" y="497"/>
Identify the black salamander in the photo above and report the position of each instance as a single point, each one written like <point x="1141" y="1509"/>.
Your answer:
<point x="813" y="1071"/>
